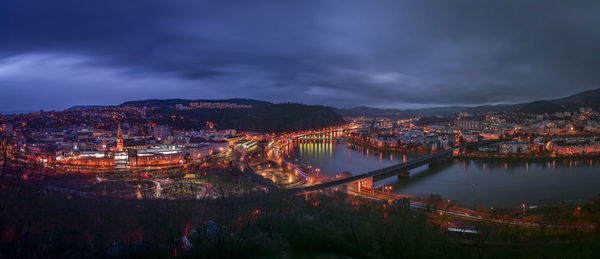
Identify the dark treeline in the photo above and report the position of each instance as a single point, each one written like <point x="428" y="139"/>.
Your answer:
<point x="38" y="224"/>
<point x="263" y="118"/>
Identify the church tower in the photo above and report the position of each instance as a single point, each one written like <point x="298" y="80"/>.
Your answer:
<point x="119" y="139"/>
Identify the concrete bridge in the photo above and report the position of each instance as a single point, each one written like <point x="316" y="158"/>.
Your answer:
<point x="333" y="135"/>
<point x="366" y="179"/>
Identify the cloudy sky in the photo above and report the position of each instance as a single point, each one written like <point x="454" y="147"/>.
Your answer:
<point x="400" y="54"/>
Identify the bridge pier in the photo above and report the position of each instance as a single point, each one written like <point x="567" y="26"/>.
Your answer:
<point x="358" y="186"/>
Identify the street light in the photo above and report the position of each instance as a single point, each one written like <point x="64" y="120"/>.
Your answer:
<point x="387" y="188"/>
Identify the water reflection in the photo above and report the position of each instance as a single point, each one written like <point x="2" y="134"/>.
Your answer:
<point x="470" y="182"/>
<point x="333" y="157"/>
<point x="504" y="184"/>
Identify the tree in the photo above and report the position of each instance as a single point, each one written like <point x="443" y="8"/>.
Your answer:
<point x="4" y="154"/>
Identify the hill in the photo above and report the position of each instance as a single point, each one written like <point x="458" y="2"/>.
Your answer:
<point x="571" y="103"/>
<point x="493" y="108"/>
<point x="86" y="107"/>
<point x="437" y="111"/>
<point x="364" y="111"/>
<point x="538" y="107"/>
<point x="173" y="102"/>
<point x="260" y="118"/>
<point x="589" y="98"/>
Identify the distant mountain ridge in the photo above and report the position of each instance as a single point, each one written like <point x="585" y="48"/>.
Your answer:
<point x="541" y="107"/>
<point x="7" y="112"/>
<point x="590" y="99"/>
<point x="364" y="111"/>
<point x="373" y="112"/>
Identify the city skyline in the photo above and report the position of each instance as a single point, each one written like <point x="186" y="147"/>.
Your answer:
<point x="393" y="55"/>
<point x="299" y="129"/>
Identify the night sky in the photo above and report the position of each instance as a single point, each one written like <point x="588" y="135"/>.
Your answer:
<point x="398" y="54"/>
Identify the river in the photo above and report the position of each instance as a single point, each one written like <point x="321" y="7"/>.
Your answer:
<point x="469" y="182"/>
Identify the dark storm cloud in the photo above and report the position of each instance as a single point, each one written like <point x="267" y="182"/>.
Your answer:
<point x="345" y="53"/>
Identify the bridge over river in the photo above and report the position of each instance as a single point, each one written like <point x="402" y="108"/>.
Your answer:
<point x="369" y="177"/>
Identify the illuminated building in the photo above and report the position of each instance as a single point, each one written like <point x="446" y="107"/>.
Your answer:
<point x="513" y="147"/>
<point x="216" y="105"/>
<point x="161" y="132"/>
<point x="462" y="124"/>
<point x="576" y="148"/>
<point x="199" y="150"/>
<point x="164" y="155"/>
<point x="469" y="136"/>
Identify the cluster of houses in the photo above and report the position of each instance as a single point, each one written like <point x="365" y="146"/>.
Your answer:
<point x="562" y="134"/>
<point x="126" y="147"/>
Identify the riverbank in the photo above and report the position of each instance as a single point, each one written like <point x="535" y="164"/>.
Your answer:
<point x="525" y="158"/>
<point x="408" y="151"/>
<point x="536" y="158"/>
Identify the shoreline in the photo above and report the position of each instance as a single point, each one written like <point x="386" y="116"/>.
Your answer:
<point x="408" y="152"/>
<point x="527" y="159"/>
<point x="488" y="158"/>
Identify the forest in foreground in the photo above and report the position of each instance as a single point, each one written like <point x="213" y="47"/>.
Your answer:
<point x="36" y="223"/>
